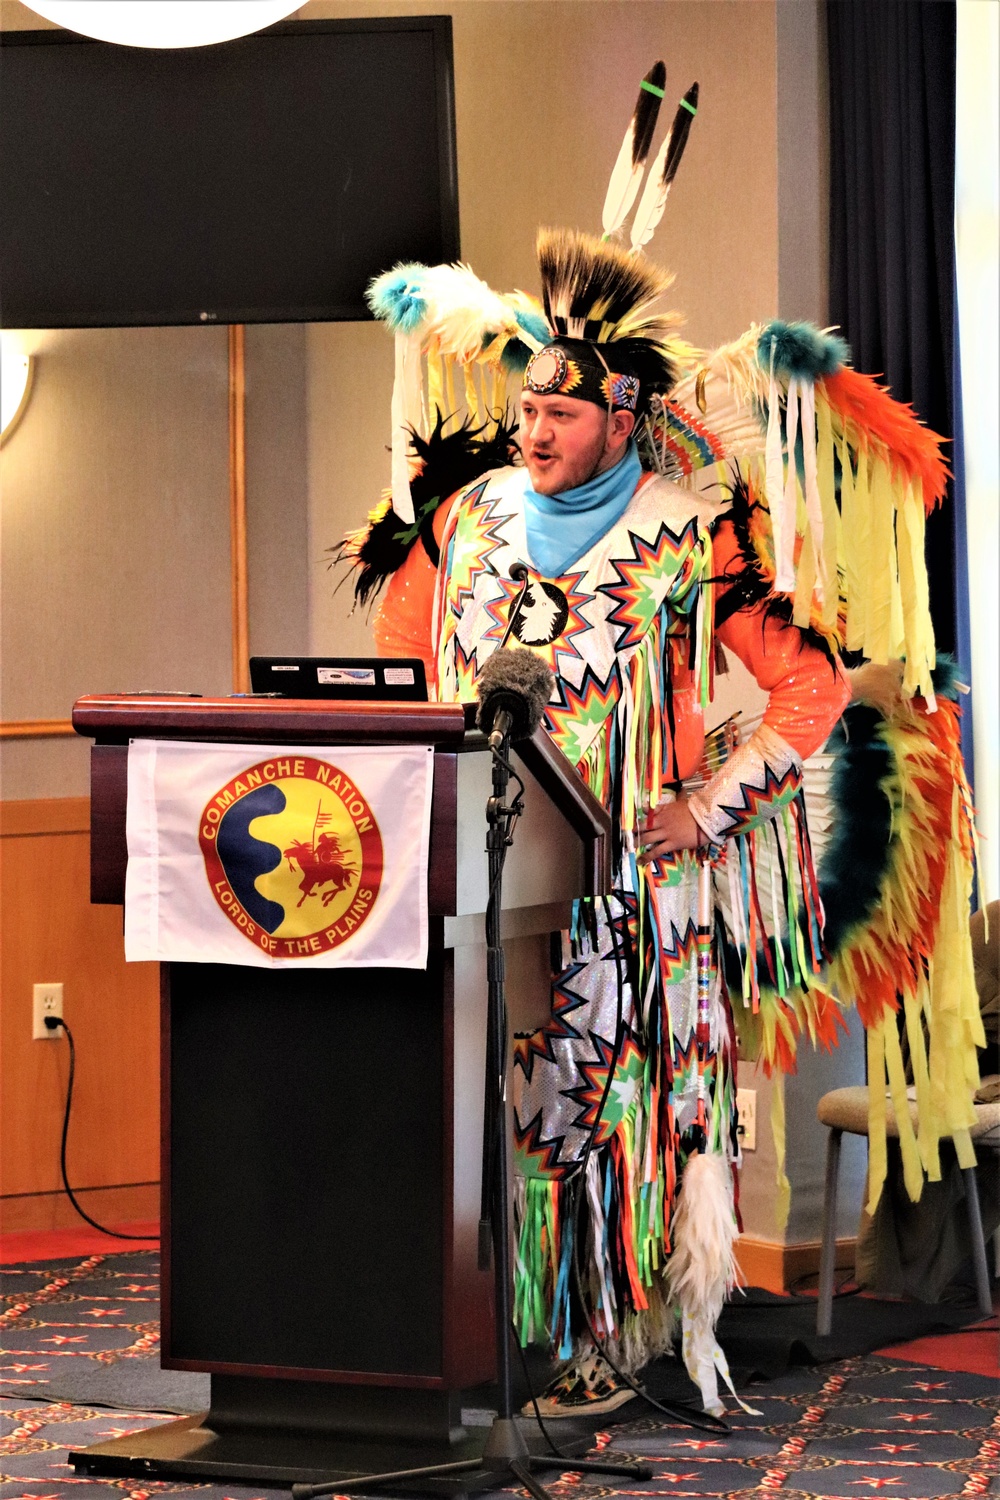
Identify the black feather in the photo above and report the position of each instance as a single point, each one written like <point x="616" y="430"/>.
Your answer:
<point x="587" y="278"/>
<point x="448" y="464"/>
<point x="679" y="132"/>
<point x="747" y="587"/>
<point x="648" y="361"/>
<point x="647" y="109"/>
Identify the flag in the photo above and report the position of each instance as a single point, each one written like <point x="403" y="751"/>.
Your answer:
<point x="278" y="856"/>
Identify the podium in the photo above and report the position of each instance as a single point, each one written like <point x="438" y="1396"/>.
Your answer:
<point x="321" y="1129"/>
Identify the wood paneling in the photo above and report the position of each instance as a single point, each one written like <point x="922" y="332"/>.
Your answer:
<point x="52" y="934"/>
<point x="36" y="729"/>
<point x="238" y="506"/>
<point x="777" y="1267"/>
<point x="46" y="815"/>
<point x="115" y="1208"/>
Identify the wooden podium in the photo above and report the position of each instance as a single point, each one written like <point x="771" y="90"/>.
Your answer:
<point x="322" y="1129"/>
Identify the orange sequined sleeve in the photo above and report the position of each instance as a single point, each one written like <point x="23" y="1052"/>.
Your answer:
<point x="807" y="693"/>
<point x="402" y="624"/>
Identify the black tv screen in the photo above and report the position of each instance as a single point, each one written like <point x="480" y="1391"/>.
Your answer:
<point x="261" y="180"/>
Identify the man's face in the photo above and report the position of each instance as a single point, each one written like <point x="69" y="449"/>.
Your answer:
<point x="564" y="441"/>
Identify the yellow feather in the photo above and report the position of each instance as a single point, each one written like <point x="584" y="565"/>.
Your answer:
<point x="877" y="1154"/>
<point x="878" y="645"/>
<point x="831" y="516"/>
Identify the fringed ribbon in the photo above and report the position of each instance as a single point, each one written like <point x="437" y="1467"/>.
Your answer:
<point x="783" y="1188"/>
<point x="775" y="484"/>
<point x="405" y="415"/>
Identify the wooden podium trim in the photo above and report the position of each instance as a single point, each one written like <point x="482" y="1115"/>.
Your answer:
<point x="576" y="802"/>
<point x="117" y="718"/>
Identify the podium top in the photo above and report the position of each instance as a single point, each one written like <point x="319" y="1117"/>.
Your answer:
<point x="115" y="718"/>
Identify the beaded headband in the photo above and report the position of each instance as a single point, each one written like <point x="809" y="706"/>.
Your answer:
<point x="573" y="367"/>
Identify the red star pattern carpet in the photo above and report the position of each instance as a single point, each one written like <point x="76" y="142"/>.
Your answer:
<point x="892" y="1422"/>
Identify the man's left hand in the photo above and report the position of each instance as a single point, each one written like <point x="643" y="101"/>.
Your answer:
<point x="669" y="828"/>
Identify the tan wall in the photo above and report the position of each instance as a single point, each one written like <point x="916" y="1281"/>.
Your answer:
<point x="115" y="528"/>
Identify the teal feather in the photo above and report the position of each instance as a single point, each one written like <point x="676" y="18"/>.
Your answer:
<point x="533" y="324"/>
<point x="396" y="298"/>
<point x="801" y="349"/>
<point x="516" y="353"/>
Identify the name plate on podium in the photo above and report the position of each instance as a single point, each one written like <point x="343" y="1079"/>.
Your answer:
<point x="278" y="856"/>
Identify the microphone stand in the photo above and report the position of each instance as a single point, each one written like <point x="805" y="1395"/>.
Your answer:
<point x="506" y="1455"/>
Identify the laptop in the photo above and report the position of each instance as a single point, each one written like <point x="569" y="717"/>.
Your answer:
<point x="368" y="679"/>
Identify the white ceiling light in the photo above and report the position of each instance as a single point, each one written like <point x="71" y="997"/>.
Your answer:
<point x="164" y="23"/>
<point x="15" y="380"/>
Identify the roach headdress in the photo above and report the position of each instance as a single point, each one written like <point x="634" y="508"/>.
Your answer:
<point x="612" y="345"/>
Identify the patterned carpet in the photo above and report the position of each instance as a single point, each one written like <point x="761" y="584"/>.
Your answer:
<point x="851" y="1428"/>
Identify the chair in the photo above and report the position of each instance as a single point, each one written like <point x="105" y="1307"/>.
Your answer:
<point x="847" y="1110"/>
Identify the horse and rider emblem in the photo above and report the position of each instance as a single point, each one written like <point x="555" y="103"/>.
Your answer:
<point x="321" y="863"/>
<point x="293" y="855"/>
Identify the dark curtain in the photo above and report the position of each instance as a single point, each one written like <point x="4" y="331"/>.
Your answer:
<point x="892" y="210"/>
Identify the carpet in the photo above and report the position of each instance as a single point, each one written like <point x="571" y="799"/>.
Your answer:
<point x="87" y="1331"/>
<point x="854" y="1428"/>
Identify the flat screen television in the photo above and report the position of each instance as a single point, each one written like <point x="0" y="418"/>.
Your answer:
<point x="261" y="180"/>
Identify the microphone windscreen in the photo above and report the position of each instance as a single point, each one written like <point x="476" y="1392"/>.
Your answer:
<point x="518" y="681"/>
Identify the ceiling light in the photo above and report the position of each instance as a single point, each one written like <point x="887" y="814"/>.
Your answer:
<point x="164" y="23"/>
<point x="15" y="379"/>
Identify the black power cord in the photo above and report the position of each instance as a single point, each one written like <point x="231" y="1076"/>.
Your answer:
<point x="54" y="1023"/>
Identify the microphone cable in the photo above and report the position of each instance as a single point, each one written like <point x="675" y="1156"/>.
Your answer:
<point x="53" y="1023"/>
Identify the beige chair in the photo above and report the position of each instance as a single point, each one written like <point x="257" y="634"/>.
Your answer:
<point x="847" y="1110"/>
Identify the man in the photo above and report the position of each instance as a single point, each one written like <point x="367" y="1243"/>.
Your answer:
<point x="565" y="442"/>
<point x="635" y="1074"/>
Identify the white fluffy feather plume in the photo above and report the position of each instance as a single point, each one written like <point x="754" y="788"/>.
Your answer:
<point x="461" y="310"/>
<point x="702" y="1267"/>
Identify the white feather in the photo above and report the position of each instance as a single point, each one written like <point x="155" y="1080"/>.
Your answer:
<point x="461" y="311"/>
<point x="653" y="200"/>
<point x="624" y="184"/>
<point x="701" y="1269"/>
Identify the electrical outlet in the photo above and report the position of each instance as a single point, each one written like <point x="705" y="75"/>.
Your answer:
<point x="48" y="1001"/>
<point x="746" y="1108"/>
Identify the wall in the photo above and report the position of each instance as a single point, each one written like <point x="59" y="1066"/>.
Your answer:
<point x="115" y="543"/>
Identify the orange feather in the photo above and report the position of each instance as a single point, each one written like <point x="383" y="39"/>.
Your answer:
<point x="869" y="412"/>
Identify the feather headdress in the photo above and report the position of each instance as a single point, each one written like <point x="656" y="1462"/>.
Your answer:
<point x="447" y="321"/>
<point x="631" y="163"/>
<point x="663" y="171"/>
<point x="596" y="291"/>
<point x="599" y="293"/>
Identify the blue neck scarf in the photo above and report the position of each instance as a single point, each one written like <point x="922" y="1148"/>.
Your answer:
<point x="561" y="528"/>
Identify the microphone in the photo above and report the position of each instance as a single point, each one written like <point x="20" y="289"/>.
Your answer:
<point x="513" y="690"/>
<point x="518" y="574"/>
